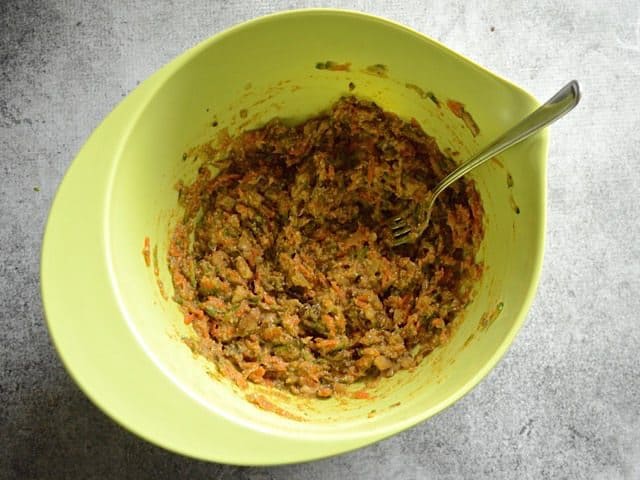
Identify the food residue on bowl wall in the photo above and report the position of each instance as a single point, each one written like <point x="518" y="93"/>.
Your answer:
<point x="361" y="395"/>
<point x="333" y="66"/>
<point x="148" y="257"/>
<point x="468" y="340"/>
<point x="200" y="152"/>
<point x="489" y="317"/>
<point x="512" y="200"/>
<point x="156" y="267"/>
<point x="146" y="251"/>
<point x="378" y="69"/>
<point x="430" y="95"/>
<point x="514" y="205"/>
<point x="459" y="111"/>
<point x="448" y="151"/>
<point x="262" y="402"/>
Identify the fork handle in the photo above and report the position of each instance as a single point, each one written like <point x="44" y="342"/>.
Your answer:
<point x="557" y="106"/>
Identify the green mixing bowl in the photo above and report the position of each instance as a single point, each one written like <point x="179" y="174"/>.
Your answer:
<point x="121" y="340"/>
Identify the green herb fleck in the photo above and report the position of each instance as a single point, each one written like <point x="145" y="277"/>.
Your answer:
<point x="433" y="98"/>
<point x="417" y="89"/>
<point x="426" y="319"/>
<point x="253" y="301"/>
<point x="378" y="69"/>
<point x="212" y="311"/>
<point x="333" y="66"/>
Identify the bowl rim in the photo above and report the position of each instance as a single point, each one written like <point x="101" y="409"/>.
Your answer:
<point x="53" y="264"/>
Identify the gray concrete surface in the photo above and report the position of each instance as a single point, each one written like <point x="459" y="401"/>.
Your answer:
<point x="564" y="402"/>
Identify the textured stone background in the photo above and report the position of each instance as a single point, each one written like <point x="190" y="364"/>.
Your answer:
<point x="564" y="402"/>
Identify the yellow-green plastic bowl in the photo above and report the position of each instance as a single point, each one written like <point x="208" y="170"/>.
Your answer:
<point x="121" y="340"/>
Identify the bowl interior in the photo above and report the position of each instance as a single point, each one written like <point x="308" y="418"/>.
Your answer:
<point x="266" y="69"/>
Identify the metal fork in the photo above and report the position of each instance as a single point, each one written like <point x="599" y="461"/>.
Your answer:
<point x="557" y="106"/>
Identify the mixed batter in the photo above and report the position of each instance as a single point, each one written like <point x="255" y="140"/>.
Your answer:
<point x="283" y="264"/>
